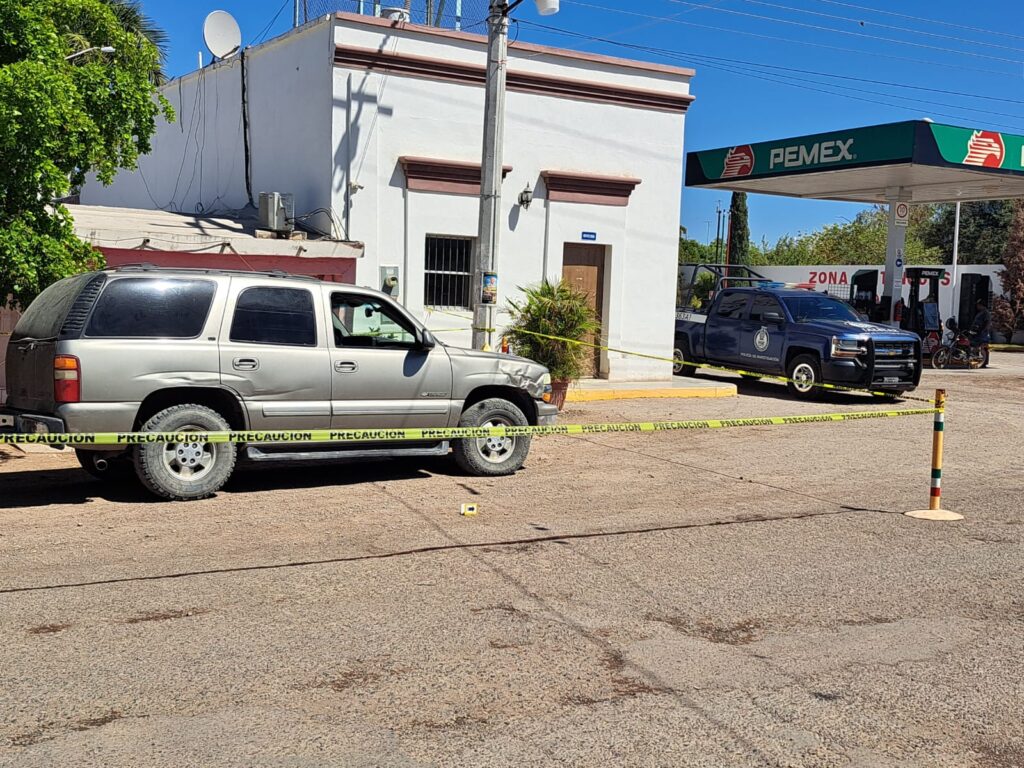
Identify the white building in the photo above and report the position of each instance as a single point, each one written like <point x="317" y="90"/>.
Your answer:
<point x="376" y="128"/>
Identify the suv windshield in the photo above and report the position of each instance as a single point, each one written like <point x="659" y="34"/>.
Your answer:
<point x="807" y="309"/>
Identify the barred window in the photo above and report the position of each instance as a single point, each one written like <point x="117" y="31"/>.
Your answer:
<point x="448" y="272"/>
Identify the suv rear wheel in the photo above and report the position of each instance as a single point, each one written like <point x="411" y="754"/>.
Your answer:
<point x="188" y="470"/>
<point x="492" y="455"/>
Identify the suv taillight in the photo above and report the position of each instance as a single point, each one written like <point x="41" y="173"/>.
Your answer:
<point x="67" y="379"/>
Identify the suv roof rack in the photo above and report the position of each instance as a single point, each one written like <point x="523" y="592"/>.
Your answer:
<point x="147" y="267"/>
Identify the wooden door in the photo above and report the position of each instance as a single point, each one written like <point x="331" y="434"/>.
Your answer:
<point x="583" y="268"/>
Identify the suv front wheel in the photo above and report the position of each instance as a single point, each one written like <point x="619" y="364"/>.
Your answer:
<point x="188" y="470"/>
<point x="492" y="455"/>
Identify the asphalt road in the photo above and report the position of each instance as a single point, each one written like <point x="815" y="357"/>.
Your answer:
<point x="748" y="597"/>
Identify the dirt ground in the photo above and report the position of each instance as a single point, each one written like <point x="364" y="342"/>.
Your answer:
<point x="747" y="597"/>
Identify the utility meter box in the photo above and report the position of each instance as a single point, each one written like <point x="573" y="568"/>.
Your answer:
<point x="390" y="282"/>
<point x="277" y="211"/>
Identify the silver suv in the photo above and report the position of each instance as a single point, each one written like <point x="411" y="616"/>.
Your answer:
<point x="140" y="349"/>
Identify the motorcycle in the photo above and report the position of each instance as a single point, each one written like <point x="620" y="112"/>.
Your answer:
<point x="957" y="350"/>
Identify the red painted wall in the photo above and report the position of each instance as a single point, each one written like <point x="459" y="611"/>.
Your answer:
<point x="334" y="269"/>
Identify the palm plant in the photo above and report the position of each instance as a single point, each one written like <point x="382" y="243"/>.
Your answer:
<point x="558" y="310"/>
<point x="134" y="20"/>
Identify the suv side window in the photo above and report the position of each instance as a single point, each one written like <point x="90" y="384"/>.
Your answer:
<point x="363" y="321"/>
<point x="146" y="307"/>
<point x="763" y="304"/>
<point x="732" y="305"/>
<point x="275" y="316"/>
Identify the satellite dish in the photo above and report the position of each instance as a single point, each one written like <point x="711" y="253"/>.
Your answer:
<point x="222" y="35"/>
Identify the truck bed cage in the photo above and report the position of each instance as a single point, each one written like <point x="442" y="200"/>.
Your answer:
<point x="694" y="294"/>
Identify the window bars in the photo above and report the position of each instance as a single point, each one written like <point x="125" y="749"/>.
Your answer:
<point x="448" y="272"/>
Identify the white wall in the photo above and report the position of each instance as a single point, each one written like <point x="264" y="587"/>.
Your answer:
<point x="197" y="164"/>
<point x="395" y="116"/>
<point x="321" y="131"/>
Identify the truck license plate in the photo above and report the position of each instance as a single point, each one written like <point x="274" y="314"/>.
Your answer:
<point x="891" y="380"/>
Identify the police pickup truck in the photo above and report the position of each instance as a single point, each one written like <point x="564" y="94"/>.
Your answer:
<point x="810" y="338"/>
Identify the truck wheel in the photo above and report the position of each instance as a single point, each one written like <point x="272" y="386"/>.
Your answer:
<point x="804" y="373"/>
<point x="185" y="471"/>
<point x="681" y="352"/>
<point x="492" y="455"/>
<point x="105" y="467"/>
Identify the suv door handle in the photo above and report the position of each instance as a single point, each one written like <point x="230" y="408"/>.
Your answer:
<point x="245" y="364"/>
<point x="346" y="366"/>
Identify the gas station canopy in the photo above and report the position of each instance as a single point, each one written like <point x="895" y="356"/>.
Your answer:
<point x="915" y="161"/>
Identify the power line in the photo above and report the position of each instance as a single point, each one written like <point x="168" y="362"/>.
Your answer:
<point x="820" y="28"/>
<point x="859" y="52"/>
<point x="269" y="25"/>
<point x="862" y="22"/>
<point x="955" y="25"/>
<point x="736" y="67"/>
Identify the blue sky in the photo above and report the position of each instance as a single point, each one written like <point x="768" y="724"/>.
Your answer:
<point x="972" y="51"/>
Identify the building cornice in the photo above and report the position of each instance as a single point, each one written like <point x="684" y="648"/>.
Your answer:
<point x="524" y="82"/>
<point x="453" y="177"/>
<point x="529" y="48"/>
<point x="569" y="187"/>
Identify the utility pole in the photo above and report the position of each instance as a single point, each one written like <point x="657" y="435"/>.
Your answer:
<point x="718" y="232"/>
<point x="489" y="234"/>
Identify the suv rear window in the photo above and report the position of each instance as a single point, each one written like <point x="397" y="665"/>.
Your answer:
<point x="45" y="315"/>
<point x="143" y="307"/>
<point x="275" y="316"/>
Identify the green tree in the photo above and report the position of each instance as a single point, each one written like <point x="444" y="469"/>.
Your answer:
<point x="739" y="230"/>
<point x="60" y="120"/>
<point x="984" y="228"/>
<point x="693" y="251"/>
<point x="133" y="20"/>
<point x="860" y="240"/>
<point x="1009" y="313"/>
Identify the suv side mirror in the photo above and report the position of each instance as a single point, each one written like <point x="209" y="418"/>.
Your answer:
<point x="426" y="339"/>
<point x="772" y="317"/>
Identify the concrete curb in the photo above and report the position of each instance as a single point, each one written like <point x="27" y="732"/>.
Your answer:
<point x="592" y="395"/>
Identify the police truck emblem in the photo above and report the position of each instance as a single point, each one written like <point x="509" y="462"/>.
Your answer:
<point x="739" y="161"/>
<point x="985" y="148"/>
<point x="761" y="339"/>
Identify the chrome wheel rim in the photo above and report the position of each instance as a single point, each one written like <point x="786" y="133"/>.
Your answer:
<point x="803" y="378"/>
<point x="677" y="355"/>
<point x="189" y="461"/>
<point x="496" y="450"/>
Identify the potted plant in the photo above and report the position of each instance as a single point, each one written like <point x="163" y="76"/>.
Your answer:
<point x="554" y="309"/>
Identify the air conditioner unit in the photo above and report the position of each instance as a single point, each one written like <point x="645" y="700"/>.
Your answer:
<point x="277" y="211"/>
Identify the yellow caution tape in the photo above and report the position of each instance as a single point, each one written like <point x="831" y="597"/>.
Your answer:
<point x="430" y="434"/>
<point x="708" y="366"/>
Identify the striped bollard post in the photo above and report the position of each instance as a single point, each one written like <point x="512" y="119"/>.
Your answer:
<point x="935" y="510"/>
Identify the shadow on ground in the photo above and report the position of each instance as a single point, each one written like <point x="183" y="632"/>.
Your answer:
<point x="776" y="390"/>
<point x="42" y="488"/>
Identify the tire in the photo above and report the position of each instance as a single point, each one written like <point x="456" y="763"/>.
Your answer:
<point x="492" y="457"/>
<point x="118" y="468"/>
<point x="940" y="358"/>
<point x="185" y="471"/>
<point x="806" y="369"/>
<point x="681" y="351"/>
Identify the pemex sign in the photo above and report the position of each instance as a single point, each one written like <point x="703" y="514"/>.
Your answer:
<point x="915" y="142"/>
<point x="983" y="149"/>
<point x="860" y="146"/>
